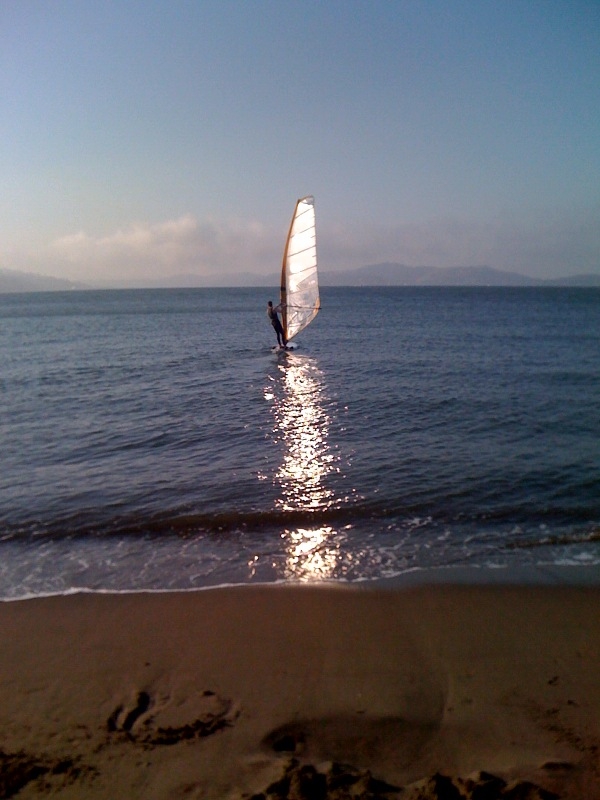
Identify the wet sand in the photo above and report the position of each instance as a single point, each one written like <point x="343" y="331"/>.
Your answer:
<point x="303" y="691"/>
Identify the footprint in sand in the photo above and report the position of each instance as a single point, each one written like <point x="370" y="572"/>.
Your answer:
<point x="19" y="769"/>
<point x="157" y="720"/>
<point x="349" y="738"/>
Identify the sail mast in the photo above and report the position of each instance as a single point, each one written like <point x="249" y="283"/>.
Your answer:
<point x="284" y="282"/>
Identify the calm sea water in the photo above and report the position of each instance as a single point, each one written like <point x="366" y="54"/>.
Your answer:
<point x="151" y="439"/>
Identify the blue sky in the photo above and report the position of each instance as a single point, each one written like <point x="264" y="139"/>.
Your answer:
<point x="146" y="138"/>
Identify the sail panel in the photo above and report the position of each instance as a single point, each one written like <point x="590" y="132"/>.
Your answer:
<point x="299" y="279"/>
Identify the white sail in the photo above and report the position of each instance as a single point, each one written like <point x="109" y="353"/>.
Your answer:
<point x="300" y="301"/>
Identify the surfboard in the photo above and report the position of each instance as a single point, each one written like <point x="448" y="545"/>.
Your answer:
<point x="289" y="349"/>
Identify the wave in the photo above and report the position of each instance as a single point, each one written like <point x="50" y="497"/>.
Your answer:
<point x="522" y="528"/>
<point x="184" y="524"/>
<point x="558" y="540"/>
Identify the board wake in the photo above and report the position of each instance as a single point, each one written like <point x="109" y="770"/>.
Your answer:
<point x="288" y="349"/>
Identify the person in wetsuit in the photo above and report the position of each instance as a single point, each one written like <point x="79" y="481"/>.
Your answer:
<point x="272" y="314"/>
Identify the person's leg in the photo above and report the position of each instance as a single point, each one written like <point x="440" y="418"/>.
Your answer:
<point x="281" y="334"/>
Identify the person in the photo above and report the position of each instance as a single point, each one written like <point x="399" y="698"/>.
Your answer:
<point x="272" y="314"/>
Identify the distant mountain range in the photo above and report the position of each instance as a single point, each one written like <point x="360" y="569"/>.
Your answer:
<point x="391" y="274"/>
<point x="386" y="274"/>
<point x="14" y="281"/>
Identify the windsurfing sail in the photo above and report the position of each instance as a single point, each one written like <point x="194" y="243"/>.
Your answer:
<point x="299" y="296"/>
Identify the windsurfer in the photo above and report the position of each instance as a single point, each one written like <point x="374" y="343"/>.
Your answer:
<point x="272" y="314"/>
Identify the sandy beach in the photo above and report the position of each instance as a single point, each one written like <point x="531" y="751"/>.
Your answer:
<point x="303" y="691"/>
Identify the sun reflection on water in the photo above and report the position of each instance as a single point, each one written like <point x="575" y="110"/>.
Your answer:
<point x="298" y="401"/>
<point x="310" y="553"/>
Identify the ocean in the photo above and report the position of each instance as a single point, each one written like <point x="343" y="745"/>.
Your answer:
<point x="151" y="440"/>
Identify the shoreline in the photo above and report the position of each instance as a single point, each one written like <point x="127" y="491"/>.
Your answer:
<point x="223" y="693"/>
<point x="524" y="575"/>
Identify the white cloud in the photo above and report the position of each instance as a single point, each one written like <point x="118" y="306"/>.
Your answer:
<point x="142" y="252"/>
<point x="155" y="251"/>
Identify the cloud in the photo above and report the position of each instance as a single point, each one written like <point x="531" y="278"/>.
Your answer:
<point x="550" y="245"/>
<point x="155" y="251"/>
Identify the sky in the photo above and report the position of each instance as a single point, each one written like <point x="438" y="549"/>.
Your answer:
<point x="144" y="139"/>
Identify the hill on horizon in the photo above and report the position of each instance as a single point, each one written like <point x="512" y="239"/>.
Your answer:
<point x="384" y="274"/>
<point x="393" y="274"/>
<point x="13" y="281"/>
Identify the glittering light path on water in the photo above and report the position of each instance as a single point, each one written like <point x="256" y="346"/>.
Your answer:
<point x="298" y="401"/>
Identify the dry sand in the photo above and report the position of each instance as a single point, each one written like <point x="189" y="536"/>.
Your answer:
<point x="226" y="692"/>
